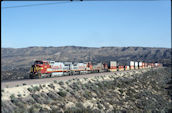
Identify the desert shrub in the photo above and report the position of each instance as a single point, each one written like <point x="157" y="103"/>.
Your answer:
<point x="61" y="83"/>
<point x="33" y="89"/>
<point x="85" y="78"/>
<point x="2" y="90"/>
<point x="51" y="86"/>
<point x="62" y="93"/>
<point x="36" y="88"/>
<point x="79" y="110"/>
<point x="83" y="87"/>
<point x="37" y="98"/>
<point x="87" y="95"/>
<point x="47" y="101"/>
<point x="24" y="84"/>
<point x="17" y="85"/>
<point x="43" y="85"/>
<point x="56" y="110"/>
<point x="33" y="109"/>
<point x="19" y="95"/>
<point x="30" y="89"/>
<point x="13" y="98"/>
<point x="96" y="111"/>
<point x="99" y="106"/>
<point x="98" y="93"/>
<point x="72" y="92"/>
<point x="30" y="101"/>
<point x="55" y="81"/>
<point x="67" y="82"/>
<point x="67" y="90"/>
<point x="44" y="110"/>
<point x="89" y="82"/>
<point x="79" y="105"/>
<point x="52" y="95"/>
<point x="40" y="86"/>
<point x="43" y="95"/>
<point x="106" y="105"/>
<point x="100" y="85"/>
<point x="75" y="86"/>
<point x="121" y="91"/>
<point x="73" y="110"/>
<point x="6" y="86"/>
<point x="20" y="110"/>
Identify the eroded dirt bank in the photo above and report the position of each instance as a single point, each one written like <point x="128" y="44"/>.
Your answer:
<point x="136" y="91"/>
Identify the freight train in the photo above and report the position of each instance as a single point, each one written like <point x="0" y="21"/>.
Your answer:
<point x="43" y="68"/>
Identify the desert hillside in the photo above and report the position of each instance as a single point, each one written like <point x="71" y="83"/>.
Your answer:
<point x="131" y="91"/>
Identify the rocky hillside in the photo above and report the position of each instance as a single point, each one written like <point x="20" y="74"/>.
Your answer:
<point x="15" y="59"/>
<point x="142" y="91"/>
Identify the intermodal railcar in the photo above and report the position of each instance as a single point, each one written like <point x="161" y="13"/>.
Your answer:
<point x="44" y="68"/>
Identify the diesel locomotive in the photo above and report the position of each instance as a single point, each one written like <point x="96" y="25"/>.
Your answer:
<point x="44" y="68"/>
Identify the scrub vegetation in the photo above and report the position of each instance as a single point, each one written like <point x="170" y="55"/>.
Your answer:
<point x="147" y="91"/>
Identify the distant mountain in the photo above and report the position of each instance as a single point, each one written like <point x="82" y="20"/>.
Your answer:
<point x="16" y="58"/>
<point x="23" y="57"/>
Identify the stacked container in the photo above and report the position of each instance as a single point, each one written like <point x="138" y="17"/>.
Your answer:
<point x="158" y="64"/>
<point x="149" y="65"/>
<point x="113" y="66"/>
<point x="152" y="65"/>
<point x="131" y="65"/>
<point x="120" y="68"/>
<point x="143" y="65"/>
<point x="136" y="65"/>
<point x="140" y="65"/>
<point x="127" y="67"/>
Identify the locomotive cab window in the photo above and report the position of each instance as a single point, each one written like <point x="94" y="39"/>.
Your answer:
<point x="38" y="62"/>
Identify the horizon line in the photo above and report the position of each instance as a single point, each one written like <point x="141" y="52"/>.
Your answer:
<point x="84" y="47"/>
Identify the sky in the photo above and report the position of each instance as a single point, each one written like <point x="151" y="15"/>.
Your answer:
<point x="87" y="23"/>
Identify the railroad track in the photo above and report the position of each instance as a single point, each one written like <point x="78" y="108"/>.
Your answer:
<point x="9" y="84"/>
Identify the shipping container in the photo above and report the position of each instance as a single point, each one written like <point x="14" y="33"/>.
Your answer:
<point x="113" y="66"/>
<point x="149" y="65"/>
<point x="140" y="65"/>
<point x="120" y="68"/>
<point x="113" y="63"/>
<point x="156" y="64"/>
<point x="131" y="65"/>
<point x="152" y="65"/>
<point x="127" y="67"/>
<point x="143" y="65"/>
<point x="136" y="65"/>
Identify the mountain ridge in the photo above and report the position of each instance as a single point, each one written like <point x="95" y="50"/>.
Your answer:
<point x="24" y="56"/>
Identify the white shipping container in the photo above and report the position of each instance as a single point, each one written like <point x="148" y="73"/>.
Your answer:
<point x="140" y="63"/>
<point x="131" y="63"/>
<point x="136" y="64"/>
<point x="156" y="64"/>
<point x="113" y="63"/>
